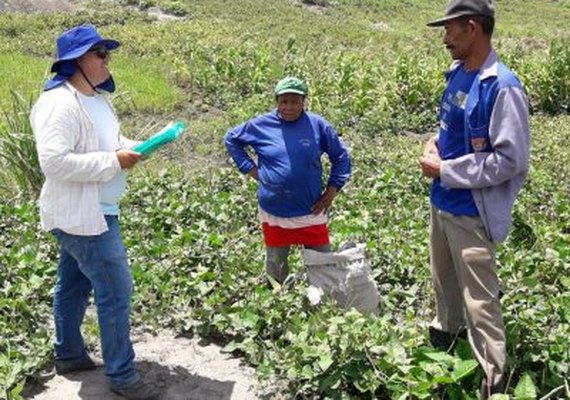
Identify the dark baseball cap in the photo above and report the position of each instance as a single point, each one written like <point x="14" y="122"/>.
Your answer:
<point x="462" y="8"/>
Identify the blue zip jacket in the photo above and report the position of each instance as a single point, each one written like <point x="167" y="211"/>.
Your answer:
<point x="497" y="142"/>
<point x="289" y="160"/>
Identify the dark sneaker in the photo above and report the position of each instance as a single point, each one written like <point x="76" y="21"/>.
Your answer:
<point x="445" y="341"/>
<point x="489" y="390"/>
<point x="85" y="364"/>
<point x="140" y="390"/>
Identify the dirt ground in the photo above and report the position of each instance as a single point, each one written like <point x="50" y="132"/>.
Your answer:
<point x="27" y="6"/>
<point x="182" y="368"/>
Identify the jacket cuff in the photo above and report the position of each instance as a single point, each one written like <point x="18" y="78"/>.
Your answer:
<point x="444" y="176"/>
<point x="245" y="168"/>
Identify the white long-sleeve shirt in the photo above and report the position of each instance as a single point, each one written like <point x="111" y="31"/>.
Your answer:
<point x="73" y="165"/>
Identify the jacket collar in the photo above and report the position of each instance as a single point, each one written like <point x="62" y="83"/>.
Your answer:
<point x="489" y="68"/>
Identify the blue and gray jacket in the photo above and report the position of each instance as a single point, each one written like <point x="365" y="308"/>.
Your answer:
<point x="497" y="142"/>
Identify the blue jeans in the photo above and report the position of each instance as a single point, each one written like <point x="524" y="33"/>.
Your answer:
<point x="95" y="262"/>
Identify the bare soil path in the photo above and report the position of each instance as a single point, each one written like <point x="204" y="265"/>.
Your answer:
<point x="183" y="369"/>
<point x="27" y="6"/>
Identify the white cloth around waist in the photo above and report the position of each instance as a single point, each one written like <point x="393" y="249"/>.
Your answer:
<point x="292" y="222"/>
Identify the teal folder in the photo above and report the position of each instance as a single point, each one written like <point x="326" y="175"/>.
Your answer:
<point x="168" y="134"/>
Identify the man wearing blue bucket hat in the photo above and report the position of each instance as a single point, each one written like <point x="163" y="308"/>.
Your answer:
<point x="83" y="157"/>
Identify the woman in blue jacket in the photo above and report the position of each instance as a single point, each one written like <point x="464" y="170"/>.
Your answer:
<point x="289" y="143"/>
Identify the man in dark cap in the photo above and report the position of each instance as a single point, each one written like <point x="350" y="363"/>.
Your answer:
<point x="83" y="157"/>
<point x="478" y="162"/>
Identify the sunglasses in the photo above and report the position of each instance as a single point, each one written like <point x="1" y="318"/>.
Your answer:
<point x="100" y="52"/>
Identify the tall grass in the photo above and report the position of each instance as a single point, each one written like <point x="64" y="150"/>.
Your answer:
<point x="551" y="87"/>
<point x="17" y="147"/>
<point x="143" y="87"/>
<point x="545" y="73"/>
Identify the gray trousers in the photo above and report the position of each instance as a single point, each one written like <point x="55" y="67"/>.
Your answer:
<point x="276" y="264"/>
<point x="467" y="287"/>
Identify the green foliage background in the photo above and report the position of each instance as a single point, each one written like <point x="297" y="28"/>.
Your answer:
<point x="189" y="219"/>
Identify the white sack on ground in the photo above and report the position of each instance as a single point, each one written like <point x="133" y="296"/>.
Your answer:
<point x="345" y="276"/>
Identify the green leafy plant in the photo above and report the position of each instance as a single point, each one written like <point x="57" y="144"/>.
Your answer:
<point x="190" y="220"/>
<point x="17" y="147"/>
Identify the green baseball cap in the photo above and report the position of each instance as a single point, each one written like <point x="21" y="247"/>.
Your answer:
<point x="291" y="84"/>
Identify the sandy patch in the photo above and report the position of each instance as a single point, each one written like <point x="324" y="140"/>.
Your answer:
<point x="183" y="369"/>
<point x="27" y="6"/>
<point x="158" y="14"/>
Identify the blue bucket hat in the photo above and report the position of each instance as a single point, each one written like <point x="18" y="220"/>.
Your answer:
<point x="71" y="45"/>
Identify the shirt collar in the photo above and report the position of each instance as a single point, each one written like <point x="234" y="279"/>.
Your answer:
<point x="489" y="68"/>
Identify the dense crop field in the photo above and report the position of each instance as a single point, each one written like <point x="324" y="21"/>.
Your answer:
<point x="190" y="221"/>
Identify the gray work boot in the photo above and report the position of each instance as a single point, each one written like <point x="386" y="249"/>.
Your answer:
<point x="140" y="390"/>
<point x="445" y="341"/>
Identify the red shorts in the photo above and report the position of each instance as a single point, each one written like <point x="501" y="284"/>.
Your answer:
<point x="315" y="235"/>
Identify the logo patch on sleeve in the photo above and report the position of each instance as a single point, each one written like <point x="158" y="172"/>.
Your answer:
<point x="479" y="144"/>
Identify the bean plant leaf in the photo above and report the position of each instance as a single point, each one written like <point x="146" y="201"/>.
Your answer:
<point x="231" y="347"/>
<point x="463" y="349"/>
<point x="16" y="390"/>
<point x="440" y="356"/>
<point x="525" y="390"/>
<point x="464" y="368"/>
<point x="325" y="361"/>
<point x="443" y="379"/>
<point x="331" y="381"/>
